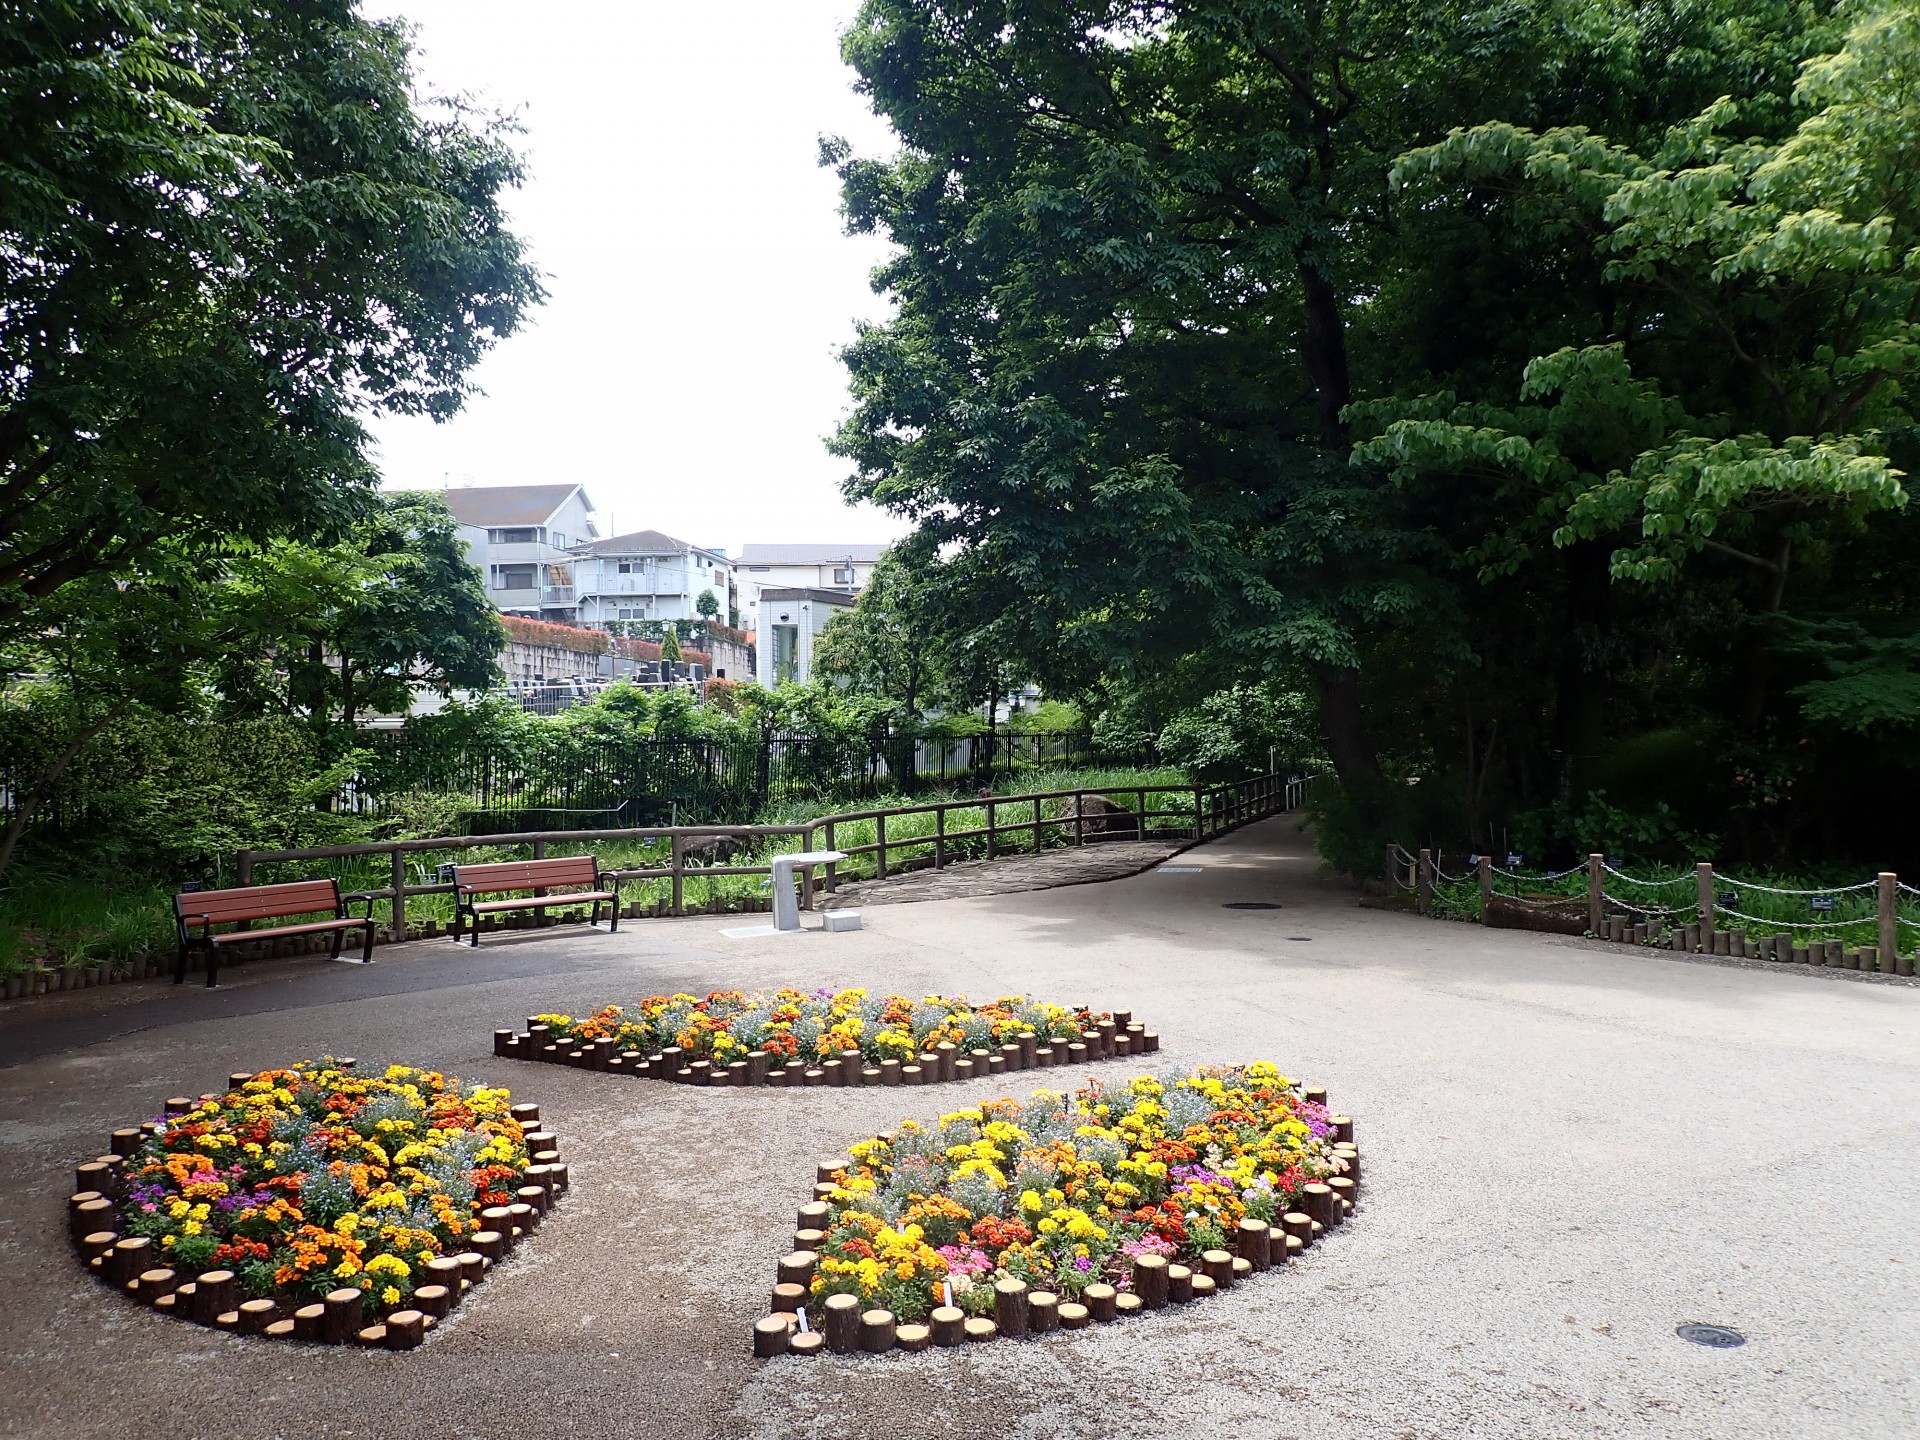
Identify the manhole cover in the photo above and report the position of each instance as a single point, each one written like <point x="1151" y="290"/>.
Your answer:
<point x="1249" y="905"/>
<point x="1716" y="1336"/>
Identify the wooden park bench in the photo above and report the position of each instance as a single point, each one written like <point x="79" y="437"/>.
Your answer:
<point x="510" y="877"/>
<point x="245" y="904"/>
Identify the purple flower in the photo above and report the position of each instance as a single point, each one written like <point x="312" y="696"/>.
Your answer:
<point x="1081" y="1262"/>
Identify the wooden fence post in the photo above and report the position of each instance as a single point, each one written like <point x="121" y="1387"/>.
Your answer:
<point x="1889" y="897"/>
<point x="243" y="868"/>
<point x="1486" y="887"/>
<point x="880" y="844"/>
<point x="1140" y="799"/>
<point x="399" y="895"/>
<point x="1423" y="901"/>
<point x="1393" y="868"/>
<point x="679" y="873"/>
<point x="939" y="837"/>
<point x="831" y="878"/>
<point x="1199" y="813"/>
<point x="992" y="849"/>
<point x="1703" y="884"/>
<point x="806" y="871"/>
<point x="1036" y="824"/>
<point x="1596" y="899"/>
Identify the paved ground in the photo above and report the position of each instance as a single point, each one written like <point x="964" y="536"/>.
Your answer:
<point x="970" y="879"/>
<point x="1570" y="1148"/>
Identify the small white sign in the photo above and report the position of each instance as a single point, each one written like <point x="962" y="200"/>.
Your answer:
<point x="803" y="1319"/>
<point x="946" y="1292"/>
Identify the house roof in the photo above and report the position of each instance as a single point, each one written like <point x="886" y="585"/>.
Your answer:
<point x="842" y="599"/>
<point x="497" y="505"/>
<point x="643" y="542"/>
<point x="809" y="554"/>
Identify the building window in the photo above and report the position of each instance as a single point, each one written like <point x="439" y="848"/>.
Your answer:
<point x="843" y="574"/>
<point x="786" y="653"/>
<point x="515" y="577"/>
<point x="519" y="535"/>
<point x="559" y="541"/>
<point x="627" y="567"/>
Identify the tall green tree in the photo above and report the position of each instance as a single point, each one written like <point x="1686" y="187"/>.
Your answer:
<point x="362" y="626"/>
<point x="227" y="232"/>
<point x="1153" y="268"/>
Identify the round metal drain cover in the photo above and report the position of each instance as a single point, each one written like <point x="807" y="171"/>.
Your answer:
<point x="1716" y="1336"/>
<point x="1249" y="905"/>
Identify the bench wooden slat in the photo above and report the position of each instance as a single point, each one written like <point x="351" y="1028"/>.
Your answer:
<point x="527" y="874"/>
<point x="539" y="902"/>
<point x="312" y="927"/>
<point x="256" y="902"/>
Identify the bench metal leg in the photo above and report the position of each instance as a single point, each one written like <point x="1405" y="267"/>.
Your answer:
<point x="366" y="952"/>
<point x="213" y="965"/>
<point x="180" y="965"/>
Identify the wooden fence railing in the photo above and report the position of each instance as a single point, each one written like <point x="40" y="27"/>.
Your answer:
<point x="1021" y="824"/>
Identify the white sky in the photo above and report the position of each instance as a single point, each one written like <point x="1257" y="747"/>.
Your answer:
<point x="699" y="280"/>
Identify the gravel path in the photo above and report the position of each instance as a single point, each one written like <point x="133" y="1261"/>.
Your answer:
<point x="1570" y="1148"/>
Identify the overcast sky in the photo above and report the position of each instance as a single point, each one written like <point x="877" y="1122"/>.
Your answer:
<point x="684" y="364"/>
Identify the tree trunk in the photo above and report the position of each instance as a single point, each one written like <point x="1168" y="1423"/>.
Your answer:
<point x="1578" y="699"/>
<point x="1344" y="729"/>
<point x="1324" y="349"/>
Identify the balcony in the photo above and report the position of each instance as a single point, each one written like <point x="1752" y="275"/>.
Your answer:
<point x="556" y="595"/>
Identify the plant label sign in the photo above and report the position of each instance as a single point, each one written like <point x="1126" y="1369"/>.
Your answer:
<point x="1822" y="904"/>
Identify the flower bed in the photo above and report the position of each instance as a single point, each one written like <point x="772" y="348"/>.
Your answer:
<point x="317" y="1202"/>
<point x="825" y="1037"/>
<point x="1019" y="1218"/>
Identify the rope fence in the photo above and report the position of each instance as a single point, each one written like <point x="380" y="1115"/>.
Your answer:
<point x="1860" y="925"/>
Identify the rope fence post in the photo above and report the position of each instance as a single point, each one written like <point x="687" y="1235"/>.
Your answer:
<point x="1423" y="903"/>
<point x="1393" y="867"/>
<point x="1887" y="892"/>
<point x="1199" y="812"/>
<point x="1036" y="824"/>
<point x="832" y="879"/>
<point x="1596" y="897"/>
<point x="1486" y="888"/>
<point x="1703" y="883"/>
<point x="939" y="837"/>
<point x="880" y="844"/>
<point x="806" y="871"/>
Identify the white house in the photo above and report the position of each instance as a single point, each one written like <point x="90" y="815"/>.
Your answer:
<point x="521" y="538"/>
<point x="791" y="618"/>
<point x="843" y="569"/>
<point x="650" y="576"/>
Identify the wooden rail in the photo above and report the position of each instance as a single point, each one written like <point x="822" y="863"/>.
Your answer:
<point x="1019" y="823"/>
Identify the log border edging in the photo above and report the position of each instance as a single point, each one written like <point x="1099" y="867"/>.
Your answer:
<point x="1117" y="1037"/>
<point x="117" y="1260"/>
<point x="1020" y="1312"/>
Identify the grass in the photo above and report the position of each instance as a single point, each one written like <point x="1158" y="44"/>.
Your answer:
<point x="48" y="923"/>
